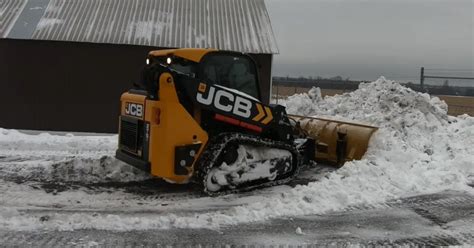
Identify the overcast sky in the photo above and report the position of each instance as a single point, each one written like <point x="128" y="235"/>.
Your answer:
<point x="363" y="39"/>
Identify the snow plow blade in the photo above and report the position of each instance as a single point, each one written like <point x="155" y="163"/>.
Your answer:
<point x="336" y="141"/>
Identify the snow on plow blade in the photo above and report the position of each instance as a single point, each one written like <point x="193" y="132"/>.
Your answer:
<point x="336" y="141"/>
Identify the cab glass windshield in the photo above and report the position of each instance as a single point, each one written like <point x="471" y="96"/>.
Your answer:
<point x="231" y="71"/>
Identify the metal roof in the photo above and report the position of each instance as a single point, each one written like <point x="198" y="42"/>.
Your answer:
<point x="9" y="11"/>
<point x="238" y="25"/>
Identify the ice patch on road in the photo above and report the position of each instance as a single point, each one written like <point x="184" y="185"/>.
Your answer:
<point x="418" y="149"/>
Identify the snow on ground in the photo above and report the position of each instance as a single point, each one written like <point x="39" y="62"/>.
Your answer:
<point x="46" y="157"/>
<point x="418" y="149"/>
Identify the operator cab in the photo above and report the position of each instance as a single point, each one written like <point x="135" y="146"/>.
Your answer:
<point x="234" y="71"/>
<point x="231" y="71"/>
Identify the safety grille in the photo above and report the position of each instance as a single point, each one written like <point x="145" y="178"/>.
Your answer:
<point x="129" y="134"/>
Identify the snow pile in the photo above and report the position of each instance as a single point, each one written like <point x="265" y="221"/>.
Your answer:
<point x="45" y="143"/>
<point x="383" y="103"/>
<point x="62" y="158"/>
<point x="418" y="149"/>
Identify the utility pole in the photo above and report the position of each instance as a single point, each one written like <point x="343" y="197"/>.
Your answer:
<point x="422" y="78"/>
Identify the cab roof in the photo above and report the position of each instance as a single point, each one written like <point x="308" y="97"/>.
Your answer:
<point x="193" y="54"/>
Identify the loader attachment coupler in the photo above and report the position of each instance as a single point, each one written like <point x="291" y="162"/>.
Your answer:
<point x="336" y="141"/>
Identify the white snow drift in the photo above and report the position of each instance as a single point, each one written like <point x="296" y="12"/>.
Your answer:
<point x="418" y="149"/>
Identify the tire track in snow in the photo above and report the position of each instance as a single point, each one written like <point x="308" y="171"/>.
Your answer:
<point x="71" y="168"/>
<point x="416" y="202"/>
<point x="62" y="174"/>
<point x="200" y="238"/>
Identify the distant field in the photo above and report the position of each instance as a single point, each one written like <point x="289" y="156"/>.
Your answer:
<point x="457" y="105"/>
<point x="288" y="91"/>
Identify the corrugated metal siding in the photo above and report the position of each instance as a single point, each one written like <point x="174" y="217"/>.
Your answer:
<point x="239" y="25"/>
<point x="9" y="11"/>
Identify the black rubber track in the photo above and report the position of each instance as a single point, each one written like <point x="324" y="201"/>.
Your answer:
<point x="216" y="146"/>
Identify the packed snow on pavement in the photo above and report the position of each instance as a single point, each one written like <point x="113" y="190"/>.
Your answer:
<point x="418" y="149"/>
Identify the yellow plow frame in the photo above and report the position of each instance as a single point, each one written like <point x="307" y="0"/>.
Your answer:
<point x="336" y="141"/>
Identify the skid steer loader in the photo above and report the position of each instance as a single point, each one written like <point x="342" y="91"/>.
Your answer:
<point x="196" y="115"/>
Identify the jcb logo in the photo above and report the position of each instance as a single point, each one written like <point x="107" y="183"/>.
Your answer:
<point x="225" y="101"/>
<point x="134" y="109"/>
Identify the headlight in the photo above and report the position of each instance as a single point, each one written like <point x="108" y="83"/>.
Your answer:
<point x="168" y="61"/>
<point x="147" y="61"/>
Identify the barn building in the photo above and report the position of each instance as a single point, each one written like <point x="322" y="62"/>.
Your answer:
<point x="65" y="63"/>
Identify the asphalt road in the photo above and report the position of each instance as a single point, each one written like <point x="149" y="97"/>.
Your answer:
<point x="430" y="220"/>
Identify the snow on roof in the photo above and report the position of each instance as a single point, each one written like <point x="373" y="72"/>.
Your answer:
<point x="237" y="25"/>
<point x="9" y="11"/>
